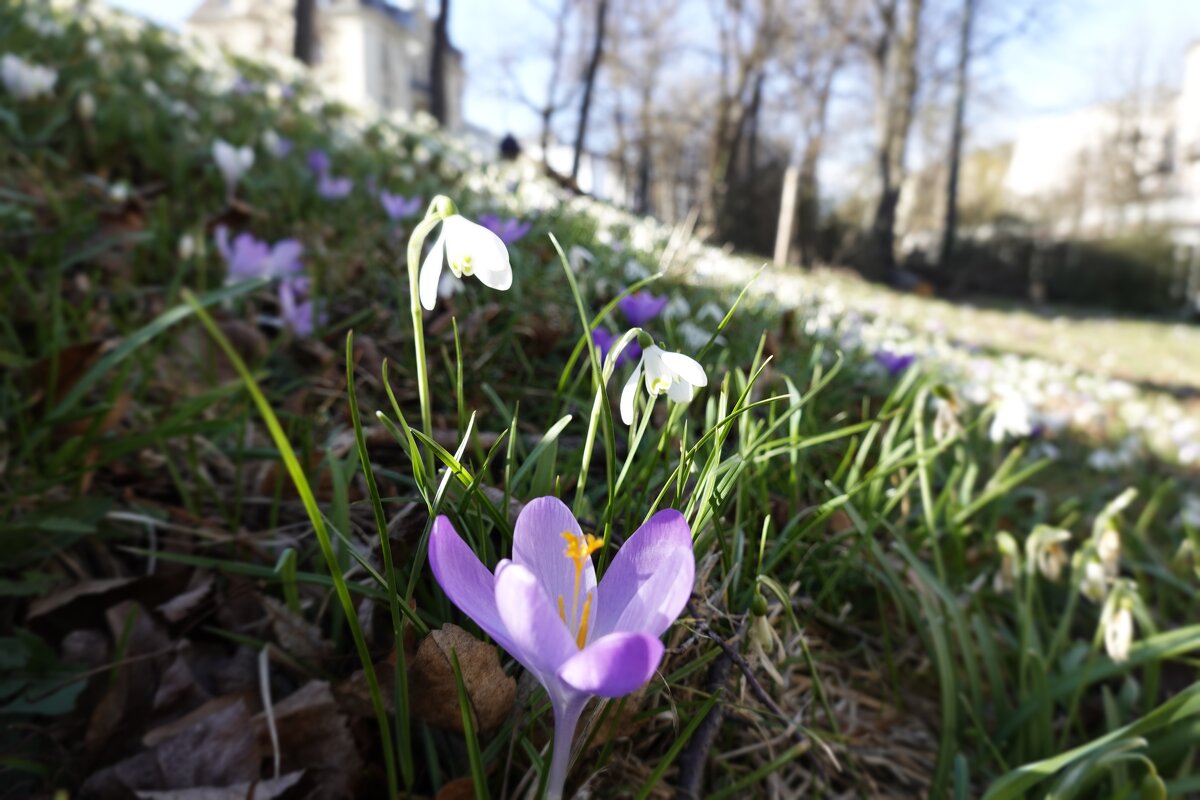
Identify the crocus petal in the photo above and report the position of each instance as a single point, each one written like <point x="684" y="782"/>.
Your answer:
<point x="285" y="257"/>
<point x="614" y="665"/>
<point x="629" y="394"/>
<point x="538" y="545"/>
<point x="650" y="578"/>
<point x="431" y="270"/>
<point x="466" y="581"/>
<point x="685" y="367"/>
<point x="532" y="622"/>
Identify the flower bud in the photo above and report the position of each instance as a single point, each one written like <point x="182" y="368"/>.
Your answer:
<point x="1153" y="787"/>
<point x="758" y="606"/>
<point x="86" y="106"/>
<point x="187" y="247"/>
<point x="442" y="207"/>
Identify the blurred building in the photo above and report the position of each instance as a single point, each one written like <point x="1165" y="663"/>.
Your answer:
<point x="367" y="52"/>
<point x="1107" y="168"/>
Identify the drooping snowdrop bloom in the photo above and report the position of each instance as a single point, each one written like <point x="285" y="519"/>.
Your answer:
<point x="233" y="162"/>
<point x="1005" y="579"/>
<point x="509" y="230"/>
<point x="469" y="249"/>
<point x="26" y="81"/>
<point x="398" y="206"/>
<point x="693" y="335"/>
<point x="641" y="307"/>
<point x="577" y="256"/>
<point x="330" y="187"/>
<point x="577" y="637"/>
<point x="1011" y="418"/>
<point x="186" y="247"/>
<point x="1044" y="551"/>
<point x="945" y="419"/>
<point x="605" y="341"/>
<point x="85" y="106"/>
<point x="1094" y="585"/>
<point x="1116" y="620"/>
<point x="673" y="374"/>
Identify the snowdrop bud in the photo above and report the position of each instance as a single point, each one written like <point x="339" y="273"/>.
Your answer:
<point x="1005" y="578"/>
<point x="1109" y="550"/>
<point x="86" y="106"/>
<point x="119" y="192"/>
<point x="1094" y="585"/>
<point x="1118" y="633"/>
<point x="187" y="247"/>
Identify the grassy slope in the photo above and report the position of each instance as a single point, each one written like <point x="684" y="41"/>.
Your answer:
<point x="903" y="669"/>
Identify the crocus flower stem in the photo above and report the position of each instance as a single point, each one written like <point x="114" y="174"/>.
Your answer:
<point x="566" y="719"/>
<point x="439" y="209"/>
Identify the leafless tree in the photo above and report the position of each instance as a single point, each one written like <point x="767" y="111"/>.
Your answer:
<point x="589" y="83"/>
<point x="304" y="42"/>
<point x="437" y="69"/>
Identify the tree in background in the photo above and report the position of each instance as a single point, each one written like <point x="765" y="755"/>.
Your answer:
<point x="437" y="67"/>
<point x="304" y="41"/>
<point x="589" y="83"/>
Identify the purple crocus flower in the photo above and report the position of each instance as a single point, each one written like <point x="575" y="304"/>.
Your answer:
<point x="331" y="188"/>
<point x="247" y="257"/>
<point x="578" y="638"/>
<point x="894" y="363"/>
<point x="295" y="307"/>
<point x="398" y="206"/>
<point x="318" y="161"/>
<point x="605" y="341"/>
<point x="641" y="307"/>
<point x="509" y="230"/>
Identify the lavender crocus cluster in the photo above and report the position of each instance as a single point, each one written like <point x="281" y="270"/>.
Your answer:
<point x="329" y="186"/>
<point x="247" y="258"/>
<point x="508" y="229"/>
<point x="580" y="638"/>
<point x="398" y="206"/>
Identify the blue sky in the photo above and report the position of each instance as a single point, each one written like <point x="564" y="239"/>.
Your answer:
<point x="1070" y="55"/>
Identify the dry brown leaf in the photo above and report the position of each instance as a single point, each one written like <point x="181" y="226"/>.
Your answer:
<point x="256" y="790"/>
<point x="314" y="735"/>
<point x="458" y="789"/>
<point x="296" y="635"/>
<point x="179" y="607"/>
<point x="434" y="692"/>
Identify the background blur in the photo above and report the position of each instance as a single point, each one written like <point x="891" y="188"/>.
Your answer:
<point x="1046" y="152"/>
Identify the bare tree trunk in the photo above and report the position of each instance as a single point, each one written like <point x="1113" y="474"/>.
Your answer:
<point x="950" y="225"/>
<point x="551" y="106"/>
<point x="589" y="83"/>
<point x="643" y="205"/>
<point x="304" y="41"/>
<point x="896" y="52"/>
<point x="809" y="205"/>
<point x="437" y="69"/>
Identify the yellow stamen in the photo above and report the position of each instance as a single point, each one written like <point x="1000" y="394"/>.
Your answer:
<point x="579" y="550"/>
<point x="562" y="614"/>
<point x="581" y="637"/>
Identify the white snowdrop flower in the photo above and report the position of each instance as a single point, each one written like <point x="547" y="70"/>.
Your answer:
<point x="449" y="285"/>
<point x="577" y="256"/>
<point x="26" y="81"/>
<point x="710" y="310"/>
<point x="119" y="192"/>
<point x="187" y="247"/>
<point x="673" y="374"/>
<point x="1189" y="515"/>
<point x="693" y="335"/>
<point x="1094" y="585"/>
<point x="1045" y="551"/>
<point x="469" y="249"/>
<point x="1108" y="548"/>
<point x="1005" y="578"/>
<point x="86" y="106"/>
<point x="1012" y="418"/>
<point x="233" y="162"/>
<point x="1118" y="630"/>
<point x="677" y="308"/>
<point x="634" y="271"/>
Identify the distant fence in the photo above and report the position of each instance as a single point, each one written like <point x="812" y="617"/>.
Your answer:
<point x="1147" y="274"/>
